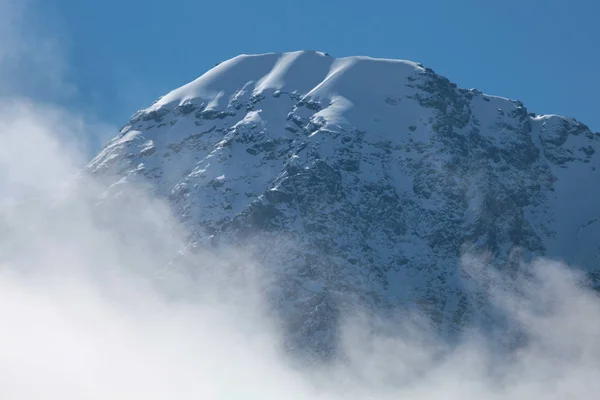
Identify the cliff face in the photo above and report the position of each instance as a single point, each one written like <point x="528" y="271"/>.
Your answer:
<point x="364" y="180"/>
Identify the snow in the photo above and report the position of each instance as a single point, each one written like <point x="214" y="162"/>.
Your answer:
<point x="221" y="81"/>
<point x="334" y="114"/>
<point x="299" y="70"/>
<point x="310" y="73"/>
<point x="356" y="77"/>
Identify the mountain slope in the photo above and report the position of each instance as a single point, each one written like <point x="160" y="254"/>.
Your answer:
<point x="374" y="175"/>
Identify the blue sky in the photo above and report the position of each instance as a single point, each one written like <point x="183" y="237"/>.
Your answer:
<point x="122" y="54"/>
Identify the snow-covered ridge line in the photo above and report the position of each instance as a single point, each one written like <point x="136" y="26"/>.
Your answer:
<point x="310" y="75"/>
<point x="302" y="71"/>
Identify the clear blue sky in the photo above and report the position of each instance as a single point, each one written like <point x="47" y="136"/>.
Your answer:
<point x="125" y="53"/>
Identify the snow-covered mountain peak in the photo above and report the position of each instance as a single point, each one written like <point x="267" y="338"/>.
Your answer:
<point x="380" y="172"/>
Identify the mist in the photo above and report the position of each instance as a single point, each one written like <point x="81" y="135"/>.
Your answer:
<point x="99" y="297"/>
<point x="98" y="300"/>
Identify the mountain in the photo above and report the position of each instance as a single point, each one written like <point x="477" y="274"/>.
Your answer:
<point x="364" y="180"/>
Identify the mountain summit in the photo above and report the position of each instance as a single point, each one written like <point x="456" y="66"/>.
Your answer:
<point x="378" y="174"/>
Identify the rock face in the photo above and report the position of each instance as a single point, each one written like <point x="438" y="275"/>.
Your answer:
<point x="376" y="173"/>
